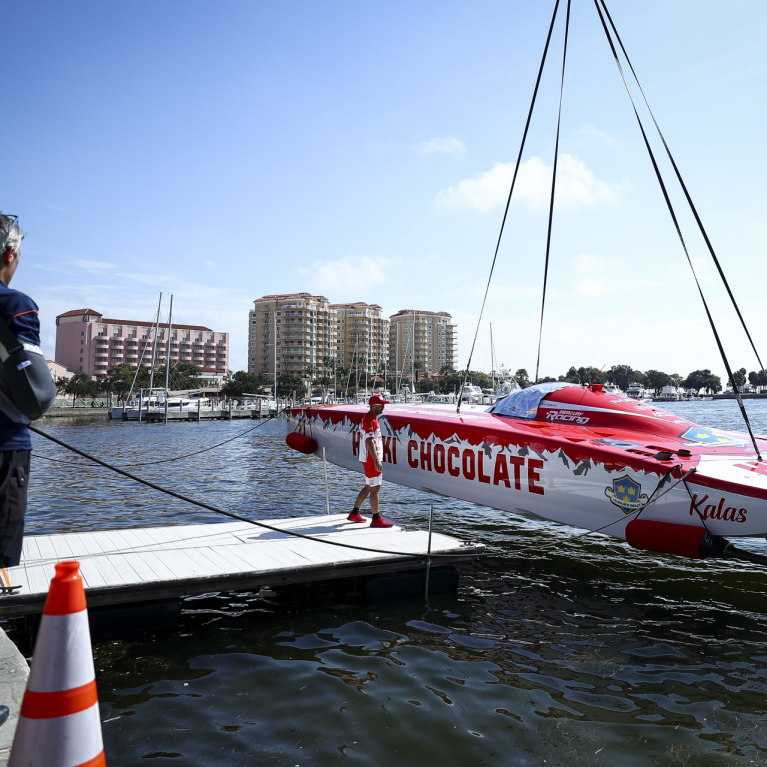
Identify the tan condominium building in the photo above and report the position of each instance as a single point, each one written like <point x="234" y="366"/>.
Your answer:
<point x="429" y="338"/>
<point x="290" y="331"/>
<point x="360" y="336"/>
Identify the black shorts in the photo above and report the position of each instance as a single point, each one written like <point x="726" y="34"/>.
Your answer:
<point x="14" y="479"/>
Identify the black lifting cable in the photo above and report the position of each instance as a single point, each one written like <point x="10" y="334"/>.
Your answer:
<point x="178" y="457"/>
<point x="684" y="188"/>
<point x="681" y="237"/>
<point x="553" y="190"/>
<point x="508" y="201"/>
<point x="231" y="514"/>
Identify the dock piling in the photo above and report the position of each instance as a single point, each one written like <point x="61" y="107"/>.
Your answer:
<point x="327" y="496"/>
<point x="428" y="552"/>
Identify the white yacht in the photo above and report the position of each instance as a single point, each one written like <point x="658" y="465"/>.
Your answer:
<point x="638" y="392"/>
<point x="471" y="394"/>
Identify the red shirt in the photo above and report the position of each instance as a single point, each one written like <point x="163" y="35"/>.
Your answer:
<point x="370" y="428"/>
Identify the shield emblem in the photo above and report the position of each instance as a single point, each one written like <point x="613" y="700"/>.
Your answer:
<point x="626" y="494"/>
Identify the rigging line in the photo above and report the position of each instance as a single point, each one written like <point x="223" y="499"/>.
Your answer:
<point x="553" y="190"/>
<point x="180" y="457"/>
<point x="215" y="509"/>
<point x="139" y="367"/>
<point x="508" y="201"/>
<point x="684" y="188"/>
<point x="681" y="239"/>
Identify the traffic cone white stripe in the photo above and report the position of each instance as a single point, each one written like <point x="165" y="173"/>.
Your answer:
<point x="66" y="660"/>
<point x="67" y="741"/>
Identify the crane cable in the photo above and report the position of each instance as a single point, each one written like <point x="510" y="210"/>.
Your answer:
<point x="681" y="237"/>
<point x="553" y="189"/>
<point x="508" y="201"/>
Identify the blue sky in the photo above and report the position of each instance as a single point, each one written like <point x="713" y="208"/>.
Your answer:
<point x="223" y="152"/>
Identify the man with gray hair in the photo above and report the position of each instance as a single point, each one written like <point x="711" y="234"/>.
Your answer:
<point x="19" y="313"/>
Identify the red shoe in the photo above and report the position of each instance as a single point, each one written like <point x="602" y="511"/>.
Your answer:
<point x="356" y="517"/>
<point x="381" y="522"/>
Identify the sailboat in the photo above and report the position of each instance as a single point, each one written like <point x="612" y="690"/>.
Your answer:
<point x="581" y="455"/>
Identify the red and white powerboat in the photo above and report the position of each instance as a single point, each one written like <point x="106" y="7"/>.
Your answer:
<point x="578" y="455"/>
<point x="568" y="453"/>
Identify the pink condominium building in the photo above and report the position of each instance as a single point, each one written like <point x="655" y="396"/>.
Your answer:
<point x="87" y="342"/>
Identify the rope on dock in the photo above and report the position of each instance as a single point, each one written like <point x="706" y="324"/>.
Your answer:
<point x="231" y="514"/>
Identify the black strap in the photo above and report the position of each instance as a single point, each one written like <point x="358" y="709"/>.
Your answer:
<point x="553" y="189"/>
<point x="684" y="188"/>
<point x="508" y="201"/>
<point x="679" y="233"/>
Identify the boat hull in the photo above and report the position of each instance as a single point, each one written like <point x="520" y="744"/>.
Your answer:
<point x="539" y="473"/>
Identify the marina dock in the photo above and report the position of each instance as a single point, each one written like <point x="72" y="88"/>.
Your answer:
<point x="124" y="566"/>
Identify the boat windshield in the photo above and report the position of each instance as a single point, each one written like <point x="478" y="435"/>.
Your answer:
<point x="524" y="403"/>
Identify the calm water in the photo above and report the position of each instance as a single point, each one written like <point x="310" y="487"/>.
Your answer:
<point x="588" y="652"/>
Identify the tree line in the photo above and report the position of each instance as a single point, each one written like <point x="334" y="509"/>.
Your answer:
<point x="121" y="379"/>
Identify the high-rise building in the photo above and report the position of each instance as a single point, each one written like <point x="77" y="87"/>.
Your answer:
<point x="290" y="331"/>
<point x="87" y="342"/>
<point x="360" y="336"/>
<point x="429" y="338"/>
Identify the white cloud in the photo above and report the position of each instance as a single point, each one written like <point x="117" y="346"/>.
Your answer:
<point x="576" y="185"/>
<point x="347" y="276"/>
<point x="445" y="144"/>
<point x="596" y="278"/>
<point x="592" y="132"/>
<point x="95" y="267"/>
<point x="585" y="262"/>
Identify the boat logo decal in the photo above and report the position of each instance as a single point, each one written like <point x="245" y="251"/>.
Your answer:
<point x="626" y="494"/>
<point x="711" y="437"/>
<point x="714" y="510"/>
<point x="569" y="416"/>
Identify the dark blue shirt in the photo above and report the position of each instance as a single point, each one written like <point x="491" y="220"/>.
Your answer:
<point x="20" y="313"/>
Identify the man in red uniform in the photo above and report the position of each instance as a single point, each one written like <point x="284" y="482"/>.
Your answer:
<point x="371" y="455"/>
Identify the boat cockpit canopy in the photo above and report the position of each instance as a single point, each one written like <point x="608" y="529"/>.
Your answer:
<point x="524" y="403"/>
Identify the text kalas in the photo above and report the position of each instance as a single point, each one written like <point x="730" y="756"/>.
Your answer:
<point x="468" y="462"/>
<point x="717" y="510"/>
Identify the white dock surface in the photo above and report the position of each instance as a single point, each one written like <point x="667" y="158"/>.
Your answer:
<point x="128" y="565"/>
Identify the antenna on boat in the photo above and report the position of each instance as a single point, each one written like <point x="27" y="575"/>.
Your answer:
<point x="591" y="382"/>
<point x="511" y="192"/>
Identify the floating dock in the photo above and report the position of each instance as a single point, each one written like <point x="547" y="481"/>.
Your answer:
<point x="132" y="565"/>
<point x="217" y="414"/>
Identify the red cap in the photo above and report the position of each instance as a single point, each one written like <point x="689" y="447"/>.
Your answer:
<point x="377" y="399"/>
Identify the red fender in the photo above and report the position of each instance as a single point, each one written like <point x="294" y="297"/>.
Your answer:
<point x="301" y="442"/>
<point x="668" y="538"/>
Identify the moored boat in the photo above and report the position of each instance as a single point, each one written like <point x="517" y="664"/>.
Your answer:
<point x="564" y="452"/>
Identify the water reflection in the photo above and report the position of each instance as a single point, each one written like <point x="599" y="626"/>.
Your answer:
<point x="585" y="653"/>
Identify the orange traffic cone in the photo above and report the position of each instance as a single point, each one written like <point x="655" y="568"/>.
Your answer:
<point x="59" y="725"/>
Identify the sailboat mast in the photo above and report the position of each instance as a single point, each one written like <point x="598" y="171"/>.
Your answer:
<point x="167" y="348"/>
<point x="154" y="346"/>
<point x="412" y="357"/>
<point x="492" y="355"/>
<point x="274" y="344"/>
